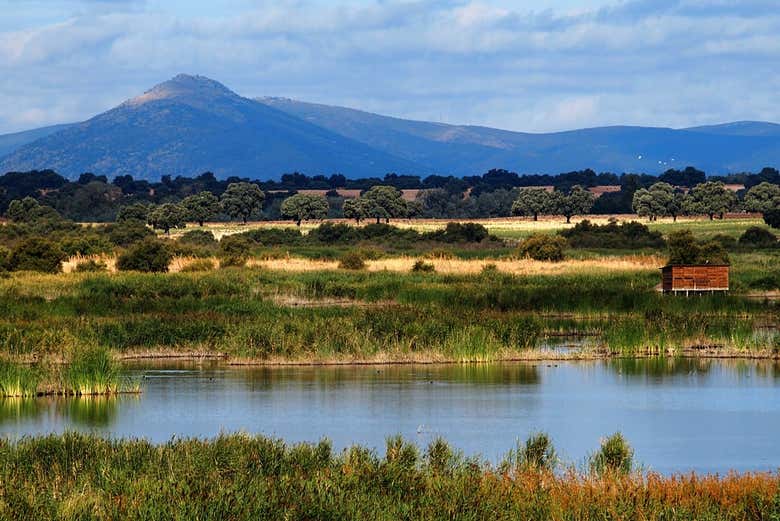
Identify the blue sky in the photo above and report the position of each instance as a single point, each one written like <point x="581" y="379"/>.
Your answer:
<point x="529" y="66"/>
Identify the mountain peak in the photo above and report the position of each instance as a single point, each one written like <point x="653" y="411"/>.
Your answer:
<point x="184" y="86"/>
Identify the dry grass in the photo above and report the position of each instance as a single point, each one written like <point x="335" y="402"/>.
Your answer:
<point x="630" y="263"/>
<point x="470" y="267"/>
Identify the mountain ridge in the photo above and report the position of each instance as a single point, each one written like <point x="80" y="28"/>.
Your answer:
<point x="190" y="124"/>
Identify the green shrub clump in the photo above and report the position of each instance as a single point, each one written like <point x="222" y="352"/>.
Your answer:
<point x="685" y="249"/>
<point x="90" y="266"/>
<point x="198" y="265"/>
<point x="614" y="456"/>
<point x="543" y="248"/>
<point x="757" y="237"/>
<point x="36" y="254"/>
<point x="772" y="218"/>
<point x="150" y="255"/>
<point x="198" y="238"/>
<point x="613" y="235"/>
<point x="352" y="261"/>
<point x="420" y="266"/>
<point x="234" y="250"/>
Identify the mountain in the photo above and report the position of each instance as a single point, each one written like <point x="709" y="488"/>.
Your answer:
<point x="11" y="142"/>
<point x="192" y="124"/>
<point x="741" y="128"/>
<point x="466" y="150"/>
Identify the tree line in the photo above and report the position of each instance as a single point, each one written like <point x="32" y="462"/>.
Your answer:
<point x="497" y="193"/>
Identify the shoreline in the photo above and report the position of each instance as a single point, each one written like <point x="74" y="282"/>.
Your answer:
<point x="433" y="359"/>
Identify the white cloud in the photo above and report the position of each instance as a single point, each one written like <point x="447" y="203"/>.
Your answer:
<point x="653" y="62"/>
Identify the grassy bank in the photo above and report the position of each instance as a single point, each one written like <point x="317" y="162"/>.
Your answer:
<point x="239" y="477"/>
<point x="269" y="315"/>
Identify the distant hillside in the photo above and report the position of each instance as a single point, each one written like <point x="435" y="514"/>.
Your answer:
<point x="192" y="124"/>
<point x="11" y="142"/>
<point x="466" y="150"/>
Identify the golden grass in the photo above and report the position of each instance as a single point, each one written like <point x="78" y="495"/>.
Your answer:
<point x="470" y="267"/>
<point x="631" y="263"/>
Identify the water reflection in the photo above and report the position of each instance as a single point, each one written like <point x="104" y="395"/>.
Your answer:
<point x="89" y="411"/>
<point x="679" y="414"/>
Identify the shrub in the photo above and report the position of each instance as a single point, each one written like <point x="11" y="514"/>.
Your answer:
<point x="234" y="250"/>
<point x="420" y="266"/>
<point x="150" y="255"/>
<point x="90" y="266"/>
<point x="198" y="238"/>
<point x="685" y="249"/>
<point x="612" y="235"/>
<point x="36" y="254"/>
<point x="772" y="218"/>
<point x="536" y="453"/>
<point x="457" y="232"/>
<point x="5" y="253"/>
<point x="727" y="242"/>
<point x="198" y="265"/>
<point x="543" y="248"/>
<point x="758" y="237"/>
<point x="274" y="236"/>
<point x="489" y="270"/>
<point x="334" y="233"/>
<point x="89" y="244"/>
<point x="352" y="261"/>
<point x="614" y="456"/>
<point x="129" y="232"/>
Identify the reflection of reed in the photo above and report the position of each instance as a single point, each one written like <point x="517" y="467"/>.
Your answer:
<point x="90" y="411"/>
<point x="17" y="408"/>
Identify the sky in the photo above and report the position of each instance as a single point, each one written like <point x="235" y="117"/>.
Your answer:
<point x="519" y="65"/>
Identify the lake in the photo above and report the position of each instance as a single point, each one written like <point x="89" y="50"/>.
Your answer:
<point x="679" y="415"/>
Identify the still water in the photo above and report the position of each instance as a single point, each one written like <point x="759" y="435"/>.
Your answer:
<point x="679" y="415"/>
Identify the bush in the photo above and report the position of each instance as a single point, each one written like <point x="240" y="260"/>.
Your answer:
<point x="129" y="232"/>
<point x="772" y="218"/>
<point x="543" y="248"/>
<point x="727" y="242"/>
<point x="275" y="236"/>
<point x="536" y="453"/>
<point x="36" y="254"/>
<point x="352" y="261"/>
<point x="198" y="265"/>
<point x="614" y="456"/>
<point x="457" y="232"/>
<point x="334" y="233"/>
<point x="88" y="244"/>
<point x="685" y="249"/>
<point x="758" y="237"/>
<point x="150" y="255"/>
<point x="90" y="266"/>
<point x="198" y="238"/>
<point x="5" y="253"/>
<point x="612" y="235"/>
<point x="234" y="250"/>
<point x="420" y="266"/>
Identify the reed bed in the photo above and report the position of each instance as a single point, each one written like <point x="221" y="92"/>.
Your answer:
<point x="75" y="476"/>
<point x="342" y="316"/>
<point x="88" y="372"/>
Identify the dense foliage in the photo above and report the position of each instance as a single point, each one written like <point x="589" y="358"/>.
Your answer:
<point x="497" y="193"/>
<point x="626" y="235"/>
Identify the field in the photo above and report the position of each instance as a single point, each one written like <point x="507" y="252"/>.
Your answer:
<point x="521" y="227"/>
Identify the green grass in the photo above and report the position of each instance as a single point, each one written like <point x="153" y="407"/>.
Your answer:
<point x="238" y="477"/>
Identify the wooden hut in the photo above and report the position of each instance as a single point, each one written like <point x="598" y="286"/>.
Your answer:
<point x="695" y="278"/>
